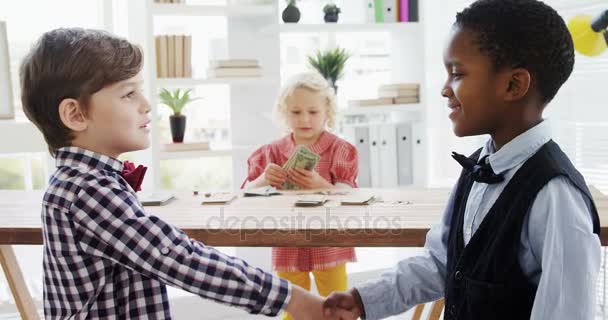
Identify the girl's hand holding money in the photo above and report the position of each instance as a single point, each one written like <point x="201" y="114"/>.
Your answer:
<point x="307" y="179"/>
<point x="275" y="175"/>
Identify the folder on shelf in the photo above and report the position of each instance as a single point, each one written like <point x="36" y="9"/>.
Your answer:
<point x="405" y="140"/>
<point x="370" y="11"/>
<point x="379" y="10"/>
<point x="413" y="10"/>
<point x="187" y="146"/>
<point x="390" y="11"/>
<point x="403" y="10"/>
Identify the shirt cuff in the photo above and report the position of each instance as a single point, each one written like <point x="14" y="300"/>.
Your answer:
<point x="275" y="295"/>
<point x="374" y="299"/>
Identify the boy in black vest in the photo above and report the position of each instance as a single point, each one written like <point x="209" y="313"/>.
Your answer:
<point x="519" y="237"/>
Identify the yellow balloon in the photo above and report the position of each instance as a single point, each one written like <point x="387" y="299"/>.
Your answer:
<point x="586" y="41"/>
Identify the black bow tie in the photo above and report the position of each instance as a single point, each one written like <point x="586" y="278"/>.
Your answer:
<point x="480" y="172"/>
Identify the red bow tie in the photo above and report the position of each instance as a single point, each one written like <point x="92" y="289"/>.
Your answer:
<point x="134" y="176"/>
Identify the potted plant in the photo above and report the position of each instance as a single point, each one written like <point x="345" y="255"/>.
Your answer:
<point x="176" y="100"/>
<point x="291" y="14"/>
<point x="330" y="63"/>
<point x="331" y="12"/>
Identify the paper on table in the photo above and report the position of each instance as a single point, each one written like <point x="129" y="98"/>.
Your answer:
<point x="218" y="198"/>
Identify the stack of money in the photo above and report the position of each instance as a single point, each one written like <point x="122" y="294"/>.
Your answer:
<point x="301" y="158"/>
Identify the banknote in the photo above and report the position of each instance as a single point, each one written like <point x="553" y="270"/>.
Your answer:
<point x="301" y="158"/>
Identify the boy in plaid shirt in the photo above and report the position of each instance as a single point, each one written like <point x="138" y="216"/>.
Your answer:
<point x="104" y="256"/>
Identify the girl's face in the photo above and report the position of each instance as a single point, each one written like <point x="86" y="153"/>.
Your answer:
<point x="306" y="115"/>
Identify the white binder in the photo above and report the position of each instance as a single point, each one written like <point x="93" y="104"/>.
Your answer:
<point x="404" y="154"/>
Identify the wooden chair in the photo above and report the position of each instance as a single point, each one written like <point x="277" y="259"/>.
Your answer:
<point x="434" y="314"/>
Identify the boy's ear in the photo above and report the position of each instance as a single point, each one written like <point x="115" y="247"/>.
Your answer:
<point x="518" y="84"/>
<point x="71" y="115"/>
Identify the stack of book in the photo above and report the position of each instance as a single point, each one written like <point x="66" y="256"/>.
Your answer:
<point x="238" y="68"/>
<point x="173" y="56"/>
<point x="388" y="94"/>
<point x="401" y="93"/>
<point x="386" y="11"/>
<point x="188" y="146"/>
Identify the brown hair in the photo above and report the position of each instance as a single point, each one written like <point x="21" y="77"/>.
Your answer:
<point x="72" y="63"/>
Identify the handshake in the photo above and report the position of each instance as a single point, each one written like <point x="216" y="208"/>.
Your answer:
<point x="344" y="305"/>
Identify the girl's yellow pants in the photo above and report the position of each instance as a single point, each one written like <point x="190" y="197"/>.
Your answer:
<point x="327" y="281"/>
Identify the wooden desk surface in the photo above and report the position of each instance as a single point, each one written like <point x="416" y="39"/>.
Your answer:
<point x="401" y="219"/>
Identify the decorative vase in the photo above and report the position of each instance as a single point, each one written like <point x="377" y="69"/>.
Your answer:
<point x="291" y="14"/>
<point x="331" y="17"/>
<point x="178" y="127"/>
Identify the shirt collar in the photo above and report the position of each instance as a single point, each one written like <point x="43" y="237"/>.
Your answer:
<point x="325" y="140"/>
<point x="86" y="159"/>
<point x="518" y="150"/>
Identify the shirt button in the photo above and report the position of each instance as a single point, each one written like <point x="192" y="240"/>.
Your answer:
<point x="164" y="250"/>
<point x="458" y="275"/>
<point x="453" y="310"/>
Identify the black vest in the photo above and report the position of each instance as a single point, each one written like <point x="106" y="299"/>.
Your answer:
<point x="484" y="279"/>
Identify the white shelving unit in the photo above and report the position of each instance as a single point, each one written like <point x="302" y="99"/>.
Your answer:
<point x="193" y="82"/>
<point x="414" y="107"/>
<point x="245" y="92"/>
<point x="170" y="9"/>
<point x="255" y="33"/>
<point x="338" y="27"/>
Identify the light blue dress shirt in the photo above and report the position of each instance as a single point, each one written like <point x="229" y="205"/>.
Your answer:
<point x="559" y="251"/>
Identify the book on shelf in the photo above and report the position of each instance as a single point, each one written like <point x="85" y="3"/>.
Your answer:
<point x="186" y="146"/>
<point x="393" y="93"/>
<point x="162" y="56"/>
<point x="406" y="100"/>
<point x="173" y="56"/>
<point x="399" y="86"/>
<point x="370" y="102"/>
<point x="188" y="56"/>
<point x="179" y="56"/>
<point x="234" y="63"/>
<point x="234" y="72"/>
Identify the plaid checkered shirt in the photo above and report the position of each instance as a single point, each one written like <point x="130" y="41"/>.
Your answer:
<point x="105" y="257"/>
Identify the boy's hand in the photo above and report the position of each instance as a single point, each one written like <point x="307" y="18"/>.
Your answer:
<point x="275" y="175"/>
<point x="307" y="179"/>
<point x="306" y="306"/>
<point x="340" y="302"/>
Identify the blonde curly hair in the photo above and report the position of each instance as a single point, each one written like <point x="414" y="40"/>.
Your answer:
<point x="314" y="82"/>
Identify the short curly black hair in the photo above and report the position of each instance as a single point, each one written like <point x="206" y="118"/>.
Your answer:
<point x="523" y="34"/>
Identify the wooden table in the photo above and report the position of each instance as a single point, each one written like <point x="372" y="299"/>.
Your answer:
<point x="401" y="219"/>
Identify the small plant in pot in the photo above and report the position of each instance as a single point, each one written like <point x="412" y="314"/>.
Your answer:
<point x="176" y="100"/>
<point x="291" y="14"/>
<point x="330" y="64"/>
<point x="331" y="12"/>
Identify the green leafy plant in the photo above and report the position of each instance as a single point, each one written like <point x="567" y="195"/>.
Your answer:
<point x="291" y="2"/>
<point x="330" y="63"/>
<point x="331" y="8"/>
<point x="176" y="100"/>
